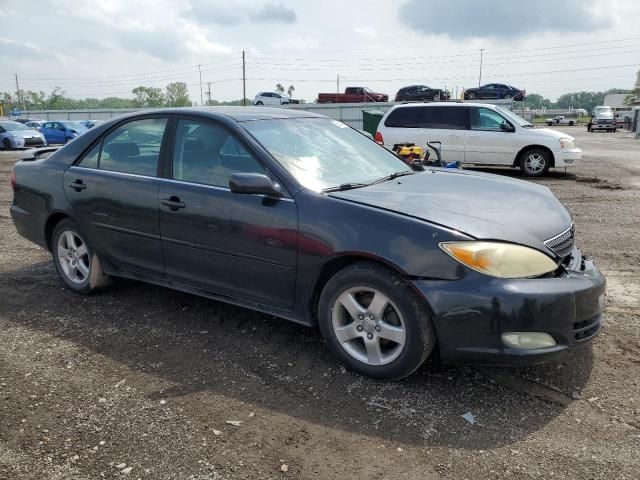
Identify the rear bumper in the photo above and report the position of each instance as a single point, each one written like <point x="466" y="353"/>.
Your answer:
<point x="471" y="314"/>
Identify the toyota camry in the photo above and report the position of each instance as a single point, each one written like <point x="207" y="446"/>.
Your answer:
<point x="300" y="216"/>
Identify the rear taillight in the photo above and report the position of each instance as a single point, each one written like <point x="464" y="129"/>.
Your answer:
<point x="13" y="179"/>
<point x="378" y="138"/>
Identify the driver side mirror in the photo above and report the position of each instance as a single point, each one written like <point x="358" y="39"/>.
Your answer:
<point x="254" y="183"/>
<point x="507" y="127"/>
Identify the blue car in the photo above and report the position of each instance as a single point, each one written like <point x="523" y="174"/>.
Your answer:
<point x="62" y="131"/>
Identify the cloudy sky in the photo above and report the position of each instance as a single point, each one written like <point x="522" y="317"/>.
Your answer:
<point x="104" y="48"/>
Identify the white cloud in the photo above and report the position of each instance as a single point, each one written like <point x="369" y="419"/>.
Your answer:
<point x="366" y="32"/>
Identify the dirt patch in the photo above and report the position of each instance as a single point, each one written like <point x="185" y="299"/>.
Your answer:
<point x="588" y="180"/>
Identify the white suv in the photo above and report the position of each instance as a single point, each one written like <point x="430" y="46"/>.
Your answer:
<point x="479" y="134"/>
<point x="271" y="98"/>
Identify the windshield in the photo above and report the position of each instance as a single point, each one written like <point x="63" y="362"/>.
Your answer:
<point x="513" y="117"/>
<point x="322" y="153"/>
<point x="603" y="110"/>
<point x="9" y="126"/>
<point x="74" y="126"/>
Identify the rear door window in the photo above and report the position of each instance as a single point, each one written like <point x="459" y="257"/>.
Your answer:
<point x="90" y="160"/>
<point x="445" y="118"/>
<point x="208" y="154"/>
<point x="134" y="147"/>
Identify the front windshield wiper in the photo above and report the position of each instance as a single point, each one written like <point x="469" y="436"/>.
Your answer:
<point x="393" y="176"/>
<point x="345" y="186"/>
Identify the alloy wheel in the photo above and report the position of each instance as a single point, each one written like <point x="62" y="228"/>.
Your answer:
<point x="535" y="163"/>
<point x="368" y="326"/>
<point x="73" y="256"/>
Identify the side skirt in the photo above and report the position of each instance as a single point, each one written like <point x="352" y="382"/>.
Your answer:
<point x="163" y="282"/>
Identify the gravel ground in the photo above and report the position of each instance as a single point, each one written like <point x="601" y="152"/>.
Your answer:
<point x="145" y="382"/>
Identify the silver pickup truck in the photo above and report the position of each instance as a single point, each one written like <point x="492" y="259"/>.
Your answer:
<point x="602" y="119"/>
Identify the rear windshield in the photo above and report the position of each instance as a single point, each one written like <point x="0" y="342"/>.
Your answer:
<point x="441" y="117"/>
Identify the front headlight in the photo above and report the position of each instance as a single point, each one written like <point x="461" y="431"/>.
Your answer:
<point x="74" y="134"/>
<point x="567" y="144"/>
<point x="502" y="260"/>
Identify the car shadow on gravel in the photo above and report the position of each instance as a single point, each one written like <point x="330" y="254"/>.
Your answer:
<point x="559" y="174"/>
<point x="201" y="347"/>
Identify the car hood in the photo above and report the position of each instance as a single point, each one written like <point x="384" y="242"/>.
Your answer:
<point x="483" y="206"/>
<point x="25" y="133"/>
<point x="548" y="132"/>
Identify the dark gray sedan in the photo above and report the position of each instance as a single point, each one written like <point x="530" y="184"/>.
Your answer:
<point x="300" y="216"/>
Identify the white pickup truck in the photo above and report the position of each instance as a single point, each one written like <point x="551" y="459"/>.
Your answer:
<point x="560" y="120"/>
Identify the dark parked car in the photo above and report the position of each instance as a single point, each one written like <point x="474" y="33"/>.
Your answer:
<point x="300" y="216"/>
<point x="494" y="91"/>
<point x="420" y="93"/>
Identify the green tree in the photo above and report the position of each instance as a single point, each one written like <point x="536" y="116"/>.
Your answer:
<point x="279" y="88"/>
<point x="57" y="100"/>
<point x="148" y="97"/>
<point x="178" y="95"/>
<point x="634" y="95"/>
<point x="535" y="100"/>
<point x="290" y="90"/>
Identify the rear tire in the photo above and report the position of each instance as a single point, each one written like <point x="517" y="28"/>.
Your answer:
<point x="388" y="334"/>
<point x="535" y="162"/>
<point x="259" y="103"/>
<point x="78" y="266"/>
<point x="471" y="96"/>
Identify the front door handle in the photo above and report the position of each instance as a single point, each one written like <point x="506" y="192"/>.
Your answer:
<point x="77" y="185"/>
<point x="172" y="202"/>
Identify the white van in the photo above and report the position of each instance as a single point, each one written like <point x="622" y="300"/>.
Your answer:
<point x="479" y="134"/>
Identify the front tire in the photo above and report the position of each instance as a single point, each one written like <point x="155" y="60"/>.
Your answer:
<point x="75" y="262"/>
<point x="6" y="143"/>
<point x="259" y="103"/>
<point x="535" y="162"/>
<point x="374" y="322"/>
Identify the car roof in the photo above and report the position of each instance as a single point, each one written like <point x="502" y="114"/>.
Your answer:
<point x="442" y="104"/>
<point x="239" y="114"/>
<point x="438" y="104"/>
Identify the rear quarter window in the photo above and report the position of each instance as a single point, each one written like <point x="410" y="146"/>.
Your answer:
<point x="407" y="117"/>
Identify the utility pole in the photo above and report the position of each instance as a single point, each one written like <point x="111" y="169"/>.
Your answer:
<point x="20" y="103"/>
<point x="337" y="83"/>
<point x="244" y="81"/>
<point x="209" y="93"/>
<point x="200" y="73"/>
<point x="480" y="76"/>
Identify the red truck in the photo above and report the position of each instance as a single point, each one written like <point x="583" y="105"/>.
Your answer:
<point x="353" y="95"/>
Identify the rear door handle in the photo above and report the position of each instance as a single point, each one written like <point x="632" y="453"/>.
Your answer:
<point x="173" y="203"/>
<point x="77" y="185"/>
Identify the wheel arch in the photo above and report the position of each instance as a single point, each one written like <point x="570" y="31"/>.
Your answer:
<point x="338" y="263"/>
<point x="54" y="219"/>
<point x="520" y="154"/>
